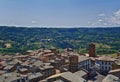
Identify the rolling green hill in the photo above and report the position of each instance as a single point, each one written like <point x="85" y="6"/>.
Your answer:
<point x="14" y="39"/>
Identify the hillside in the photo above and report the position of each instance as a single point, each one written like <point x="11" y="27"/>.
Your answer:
<point x="14" y="39"/>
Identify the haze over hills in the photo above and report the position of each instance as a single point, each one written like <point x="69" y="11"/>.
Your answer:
<point x="13" y="40"/>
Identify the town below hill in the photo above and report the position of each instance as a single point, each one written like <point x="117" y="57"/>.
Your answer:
<point x="50" y="65"/>
<point x="20" y="40"/>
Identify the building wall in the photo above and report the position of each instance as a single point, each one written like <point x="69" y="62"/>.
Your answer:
<point x="103" y="66"/>
<point x="48" y="72"/>
<point x="36" y="79"/>
<point x="115" y="66"/>
<point x="84" y="64"/>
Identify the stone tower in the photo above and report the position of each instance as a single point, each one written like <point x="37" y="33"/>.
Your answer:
<point x="73" y="66"/>
<point x="92" y="50"/>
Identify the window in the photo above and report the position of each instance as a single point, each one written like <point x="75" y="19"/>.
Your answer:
<point x="18" y="80"/>
<point x="106" y="63"/>
<point x="106" y="68"/>
<point x="109" y="62"/>
<point x="102" y="68"/>
<point x="102" y="62"/>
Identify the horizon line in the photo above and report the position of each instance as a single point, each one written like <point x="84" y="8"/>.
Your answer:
<point x="59" y="26"/>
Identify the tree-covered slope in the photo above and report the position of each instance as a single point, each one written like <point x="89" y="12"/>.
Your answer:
<point x="14" y="39"/>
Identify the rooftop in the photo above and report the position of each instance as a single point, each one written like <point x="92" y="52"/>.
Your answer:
<point x="111" y="78"/>
<point x="80" y="73"/>
<point x="23" y="69"/>
<point x="82" y="58"/>
<point x="35" y="75"/>
<point x="105" y="58"/>
<point x="72" y="77"/>
<point x="9" y="77"/>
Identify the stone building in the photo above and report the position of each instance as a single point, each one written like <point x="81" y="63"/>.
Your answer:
<point x="104" y="63"/>
<point x="84" y="62"/>
<point x="73" y="66"/>
<point x="92" y="50"/>
<point x="47" y="70"/>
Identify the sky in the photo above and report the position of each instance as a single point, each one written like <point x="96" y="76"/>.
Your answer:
<point x="60" y="13"/>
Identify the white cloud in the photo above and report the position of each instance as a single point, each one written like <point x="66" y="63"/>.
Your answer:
<point x="115" y="19"/>
<point x="34" y="22"/>
<point x="100" y="20"/>
<point x="117" y="13"/>
<point x="107" y="20"/>
<point x="101" y="15"/>
<point x="105" y="24"/>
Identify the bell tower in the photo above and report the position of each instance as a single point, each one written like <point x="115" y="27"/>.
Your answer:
<point x="73" y="66"/>
<point x="92" y="50"/>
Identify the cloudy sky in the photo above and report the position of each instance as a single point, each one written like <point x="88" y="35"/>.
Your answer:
<point x="68" y="13"/>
